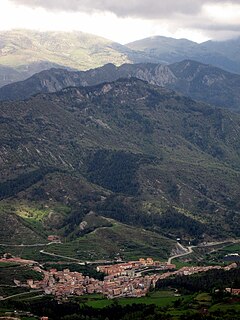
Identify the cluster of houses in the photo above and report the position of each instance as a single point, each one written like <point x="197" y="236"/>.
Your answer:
<point x="122" y="280"/>
<point x="133" y="268"/>
<point x="186" y="271"/>
<point x="65" y="283"/>
<point x="130" y="279"/>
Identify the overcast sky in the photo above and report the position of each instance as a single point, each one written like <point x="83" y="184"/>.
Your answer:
<point x="127" y="20"/>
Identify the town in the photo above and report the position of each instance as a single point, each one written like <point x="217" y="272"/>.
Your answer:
<point x="130" y="279"/>
<point x="121" y="280"/>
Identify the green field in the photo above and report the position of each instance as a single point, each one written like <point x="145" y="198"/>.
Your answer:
<point x="217" y="256"/>
<point x="233" y="248"/>
<point x="103" y="243"/>
<point x="159" y="298"/>
<point x="31" y="253"/>
<point x="177" y="307"/>
<point x="225" y="307"/>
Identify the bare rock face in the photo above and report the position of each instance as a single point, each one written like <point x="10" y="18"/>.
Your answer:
<point x="83" y="225"/>
<point x="161" y="75"/>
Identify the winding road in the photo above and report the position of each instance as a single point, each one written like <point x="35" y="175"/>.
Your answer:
<point x="29" y="245"/>
<point x="184" y="250"/>
<point x="19" y="295"/>
<point x="60" y="256"/>
<point x="188" y="250"/>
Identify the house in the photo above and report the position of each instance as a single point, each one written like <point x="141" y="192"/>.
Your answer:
<point x="235" y="292"/>
<point x="54" y="238"/>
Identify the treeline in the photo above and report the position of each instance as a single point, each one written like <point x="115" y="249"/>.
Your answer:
<point x="169" y="222"/>
<point x="75" y="311"/>
<point x="206" y="282"/>
<point x="74" y="218"/>
<point x="127" y="210"/>
<point x="10" y="188"/>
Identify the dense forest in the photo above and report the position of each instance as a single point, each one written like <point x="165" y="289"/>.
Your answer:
<point x="12" y="187"/>
<point x="170" y="222"/>
<point x="115" y="171"/>
<point x="74" y="311"/>
<point x="208" y="281"/>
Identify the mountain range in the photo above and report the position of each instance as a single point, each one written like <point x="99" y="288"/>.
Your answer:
<point x="25" y="52"/>
<point x="129" y="154"/>
<point x="117" y="149"/>
<point x="199" y="81"/>
<point x="222" y="54"/>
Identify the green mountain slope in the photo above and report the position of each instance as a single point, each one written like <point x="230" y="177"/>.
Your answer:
<point x="126" y="150"/>
<point x="26" y="52"/>
<point x="25" y="49"/>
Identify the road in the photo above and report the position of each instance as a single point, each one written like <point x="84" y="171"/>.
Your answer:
<point x="29" y="245"/>
<point x="19" y="295"/>
<point x="60" y="256"/>
<point x="77" y="260"/>
<point x="188" y="250"/>
<point x="185" y="250"/>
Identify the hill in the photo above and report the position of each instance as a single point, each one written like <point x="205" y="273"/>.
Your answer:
<point x="28" y="52"/>
<point x="127" y="150"/>
<point x="199" y="81"/>
<point x="222" y="54"/>
<point x="25" y="52"/>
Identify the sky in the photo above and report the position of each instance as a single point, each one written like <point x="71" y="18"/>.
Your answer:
<point x="124" y="21"/>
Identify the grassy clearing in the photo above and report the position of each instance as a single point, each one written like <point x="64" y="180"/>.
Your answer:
<point x="203" y="297"/>
<point x="180" y="264"/>
<point x="225" y="307"/>
<point x="160" y="301"/>
<point x="31" y="253"/>
<point x="233" y="248"/>
<point x="32" y="213"/>
<point x="159" y="298"/>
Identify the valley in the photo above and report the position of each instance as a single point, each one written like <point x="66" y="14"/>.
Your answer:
<point x="119" y="180"/>
<point x="124" y="280"/>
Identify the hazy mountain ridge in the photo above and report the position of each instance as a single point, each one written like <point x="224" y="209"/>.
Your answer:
<point x="199" y="81"/>
<point x="11" y="75"/>
<point x="20" y="49"/>
<point x="31" y="51"/>
<point x="178" y="155"/>
<point x="222" y="54"/>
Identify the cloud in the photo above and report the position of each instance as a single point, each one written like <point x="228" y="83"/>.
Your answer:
<point x="210" y="17"/>
<point x="136" y="8"/>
